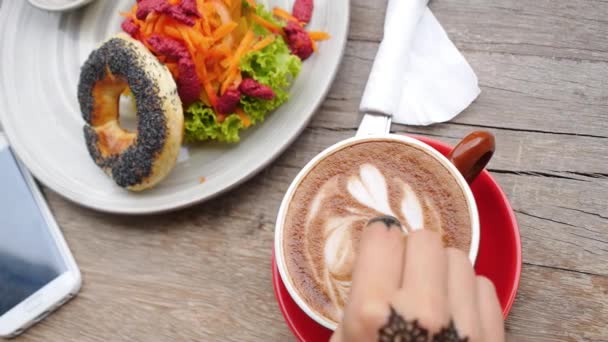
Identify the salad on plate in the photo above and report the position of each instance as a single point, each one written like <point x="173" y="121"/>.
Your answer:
<point x="233" y="60"/>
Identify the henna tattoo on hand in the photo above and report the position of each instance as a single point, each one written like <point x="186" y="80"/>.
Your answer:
<point x="449" y="334"/>
<point x="397" y="329"/>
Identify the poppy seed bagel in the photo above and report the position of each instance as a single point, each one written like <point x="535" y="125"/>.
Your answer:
<point x="134" y="160"/>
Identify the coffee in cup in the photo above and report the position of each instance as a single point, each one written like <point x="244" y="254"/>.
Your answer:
<point x="336" y="194"/>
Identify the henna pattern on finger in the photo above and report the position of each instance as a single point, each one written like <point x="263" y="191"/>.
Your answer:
<point x="389" y="221"/>
<point x="449" y="334"/>
<point x="397" y="329"/>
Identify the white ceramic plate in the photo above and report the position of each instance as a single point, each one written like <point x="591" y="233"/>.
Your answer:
<point x="59" y="5"/>
<point x="40" y="58"/>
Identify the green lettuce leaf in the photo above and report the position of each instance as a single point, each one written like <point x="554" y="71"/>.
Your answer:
<point x="275" y="67"/>
<point x="261" y="11"/>
<point x="201" y="125"/>
<point x="266" y="14"/>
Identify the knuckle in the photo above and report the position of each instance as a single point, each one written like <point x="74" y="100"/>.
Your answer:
<point x="432" y="312"/>
<point x="426" y="235"/>
<point x="459" y="264"/>
<point x="364" y="317"/>
<point x="457" y="254"/>
<point x="433" y="318"/>
<point x="473" y="336"/>
<point x="371" y="314"/>
<point x="469" y="329"/>
<point x="485" y="285"/>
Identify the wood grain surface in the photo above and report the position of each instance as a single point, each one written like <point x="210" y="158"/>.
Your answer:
<point x="203" y="274"/>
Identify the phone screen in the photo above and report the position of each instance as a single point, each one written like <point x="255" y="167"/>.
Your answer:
<point x="29" y="257"/>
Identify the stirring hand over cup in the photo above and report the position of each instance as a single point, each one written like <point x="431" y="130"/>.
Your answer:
<point x="415" y="290"/>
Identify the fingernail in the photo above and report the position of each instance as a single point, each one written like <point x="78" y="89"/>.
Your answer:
<point x="387" y="220"/>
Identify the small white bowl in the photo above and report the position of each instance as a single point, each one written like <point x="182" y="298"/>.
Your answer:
<point x="58" y="5"/>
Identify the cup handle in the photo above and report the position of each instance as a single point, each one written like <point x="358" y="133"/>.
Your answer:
<point x="473" y="153"/>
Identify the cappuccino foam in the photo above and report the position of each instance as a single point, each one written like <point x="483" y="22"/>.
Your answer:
<point x="333" y="202"/>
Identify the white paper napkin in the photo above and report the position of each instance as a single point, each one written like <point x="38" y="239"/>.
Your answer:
<point x="418" y="76"/>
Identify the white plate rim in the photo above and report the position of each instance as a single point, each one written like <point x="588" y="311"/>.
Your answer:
<point x="59" y="8"/>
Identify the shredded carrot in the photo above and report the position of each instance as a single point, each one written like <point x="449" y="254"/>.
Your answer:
<point x="199" y="41"/>
<point x="174" y="2"/>
<point x="283" y="14"/>
<point x="159" y="24"/>
<point x="263" y="43"/>
<point x="266" y="24"/>
<point x="236" y="10"/>
<point x="251" y="3"/>
<point x="204" y="98"/>
<point x="188" y="42"/>
<point x="148" y="27"/>
<point x="238" y="79"/>
<point x="244" y="117"/>
<point x="224" y="30"/>
<point x="204" y="11"/>
<point x="229" y="80"/>
<point x="315" y="46"/>
<point x="211" y="92"/>
<point x="199" y="58"/>
<point x="201" y="72"/>
<point x="172" y="32"/>
<point x="230" y="74"/>
<point x="173" y="68"/>
<point x="220" y="52"/>
<point x="318" y="35"/>
<point x="131" y="13"/>
<point x="206" y="27"/>
<point x="225" y="62"/>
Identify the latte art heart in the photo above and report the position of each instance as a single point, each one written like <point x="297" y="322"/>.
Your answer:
<point x="337" y="198"/>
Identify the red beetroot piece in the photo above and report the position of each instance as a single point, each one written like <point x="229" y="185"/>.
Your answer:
<point x="189" y="86"/>
<point x="298" y="40"/>
<point x="181" y="12"/>
<point x="145" y="7"/>
<point x="189" y="8"/>
<point x="253" y="88"/>
<point x="302" y="10"/>
<point x="129" y="26"/>
<point x="226" y="104"/>
<point x="168" y="47"/>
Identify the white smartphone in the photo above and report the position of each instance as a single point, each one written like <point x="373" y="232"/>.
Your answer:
<point x="37" y="271"/>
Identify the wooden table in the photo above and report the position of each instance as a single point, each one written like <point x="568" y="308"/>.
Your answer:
<point x="203" y="274"/>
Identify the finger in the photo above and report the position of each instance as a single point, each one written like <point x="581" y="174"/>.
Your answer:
<point x="337" y="335"/>
<point x="490" y="312"/>
<point x="376" y="277"/>
<point x="378" y="267"/>
<point x="462" y="293"/>
<point x="424" y="294"/>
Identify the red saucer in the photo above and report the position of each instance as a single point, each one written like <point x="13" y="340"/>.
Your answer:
<point x="499" y="255"/>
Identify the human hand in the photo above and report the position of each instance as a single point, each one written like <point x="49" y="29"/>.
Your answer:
<point x="414" y="289"/>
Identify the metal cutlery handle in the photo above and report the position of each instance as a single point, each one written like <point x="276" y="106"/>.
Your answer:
<point x="374" y="124"/>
